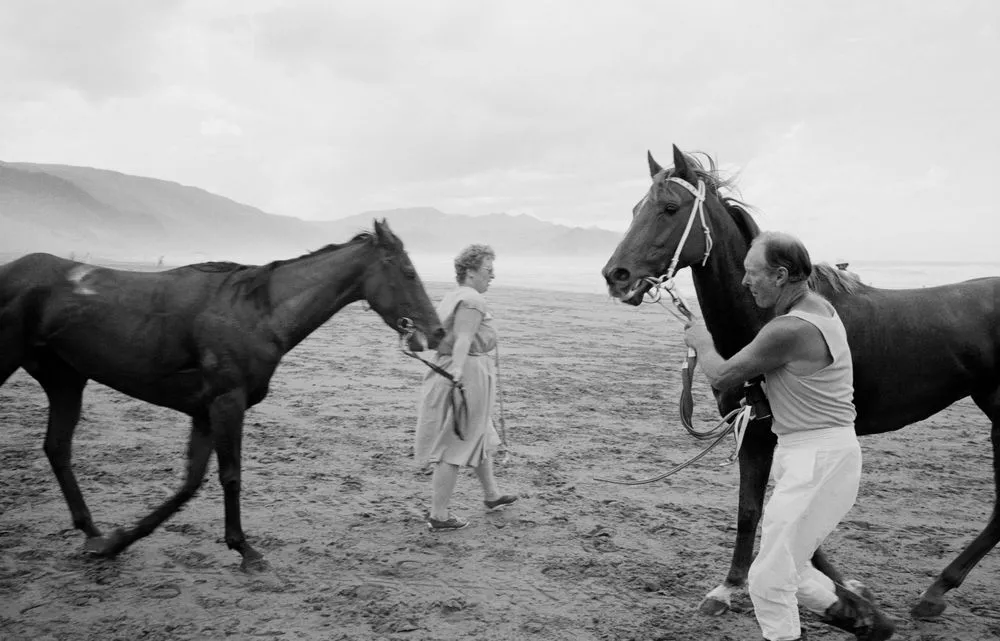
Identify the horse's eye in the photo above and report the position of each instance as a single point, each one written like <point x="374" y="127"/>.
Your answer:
<point x="671" y="208"/>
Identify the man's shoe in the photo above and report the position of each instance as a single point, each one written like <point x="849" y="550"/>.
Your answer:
<point x="505" y="499"/>
<point x="451" y="523"/>
<point x="855" y="614"/>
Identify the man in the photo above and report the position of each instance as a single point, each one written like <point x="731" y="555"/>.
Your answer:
<point x="804" y="357"/>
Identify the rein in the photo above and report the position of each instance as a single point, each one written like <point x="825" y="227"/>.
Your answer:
<point x="736" y="421"/>
<point x="408" y="329"/>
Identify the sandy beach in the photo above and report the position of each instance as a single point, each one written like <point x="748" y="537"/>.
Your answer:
<point x="333" y="499"/>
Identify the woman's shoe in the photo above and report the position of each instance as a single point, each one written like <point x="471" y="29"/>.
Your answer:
<point x="451" y="523"/>
<point x="505" y="499"/>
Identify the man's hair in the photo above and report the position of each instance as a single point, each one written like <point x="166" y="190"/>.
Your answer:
<point x="785" y="250"/>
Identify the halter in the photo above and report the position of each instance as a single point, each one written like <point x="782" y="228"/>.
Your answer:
<point x="737" y="421"/>
<point x="666" y="281"/>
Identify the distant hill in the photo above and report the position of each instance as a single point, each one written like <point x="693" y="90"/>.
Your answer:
<point x="63" y="209"/>
<point x="106" y="214"/>
<point x="428" y="230"/>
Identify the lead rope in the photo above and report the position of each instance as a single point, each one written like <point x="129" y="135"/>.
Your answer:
<point x="407" y="329"/>
<point x="734" y="423"/>
<point x="503" y="456"/>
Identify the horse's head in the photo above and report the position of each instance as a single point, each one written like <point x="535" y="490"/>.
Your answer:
<point x="395" y="291"/>
<point x="668" y="230"/>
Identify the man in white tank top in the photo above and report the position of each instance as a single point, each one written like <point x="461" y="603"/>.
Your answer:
<point x="804" y="357"/>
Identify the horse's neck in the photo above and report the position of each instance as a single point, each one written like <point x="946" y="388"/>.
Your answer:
<point x="727" y="306"/>
<point x="308" y="291"/>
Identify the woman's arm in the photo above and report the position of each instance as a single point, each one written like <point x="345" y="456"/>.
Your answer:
<point x="467" y="321"/>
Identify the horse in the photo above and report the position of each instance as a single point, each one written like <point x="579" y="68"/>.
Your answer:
<point x="915" y="351"/>
<point x="203" y="339"/>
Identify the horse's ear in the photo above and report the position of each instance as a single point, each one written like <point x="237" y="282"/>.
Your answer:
<point x="383" y="234"/>
<point x="681" y="168"/>
<point x="654" y="167"/>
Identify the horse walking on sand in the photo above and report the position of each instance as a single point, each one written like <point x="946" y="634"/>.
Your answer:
<point x="915" y="351"/>
<point x="203" y="339"/>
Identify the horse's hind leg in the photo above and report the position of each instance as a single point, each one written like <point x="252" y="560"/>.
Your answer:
<point x="932" y="603"/>
<point x="199" y="452"/>
<point x="64" y="387"/>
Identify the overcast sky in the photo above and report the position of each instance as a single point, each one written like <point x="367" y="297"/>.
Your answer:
<point x="870" y="129"/>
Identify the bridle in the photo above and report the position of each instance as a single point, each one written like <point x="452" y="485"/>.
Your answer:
<point x="407" y="329"/>
<point x="666" y="281"/>
<point x="737" y="421"/>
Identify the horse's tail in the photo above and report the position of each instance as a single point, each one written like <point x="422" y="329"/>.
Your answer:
<point x="21" y="296"/>
<point x="12" y="338"/>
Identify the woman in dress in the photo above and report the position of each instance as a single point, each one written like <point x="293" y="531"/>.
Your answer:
<point x="463" y="353"/>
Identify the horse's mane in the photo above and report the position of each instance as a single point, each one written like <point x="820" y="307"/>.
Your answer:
<point x="723" y="186"/>
<point x="252" y="281"/>
<point x="825" y="279"/>
<point x="830" y="281"/>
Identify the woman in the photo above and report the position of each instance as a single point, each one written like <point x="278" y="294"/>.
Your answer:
<point x="470" y="336"/>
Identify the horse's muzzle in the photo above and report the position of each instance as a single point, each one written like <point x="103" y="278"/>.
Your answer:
<point x="633" y="296"/>
<point x="629" y="293"/>
<point x="418" y="342"/>
<point x="625" y="286"/>
<point x="436" y="337"/>
<point x="414" y="342"/>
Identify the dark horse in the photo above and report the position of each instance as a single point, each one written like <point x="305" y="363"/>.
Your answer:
<point x="202" y="339"/>
<point x="915" y="351"/>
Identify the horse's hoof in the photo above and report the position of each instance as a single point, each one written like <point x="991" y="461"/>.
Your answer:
<point x="713" y="607"/>
<point x="258" y="565"/>
<point x="105" y="546"/>
<point x="95" y="545"/>
<point x="862" y="590"/>
<point x="928" y="608"/>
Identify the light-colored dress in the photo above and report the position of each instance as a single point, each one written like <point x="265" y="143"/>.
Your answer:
<point x="436" y="440"/>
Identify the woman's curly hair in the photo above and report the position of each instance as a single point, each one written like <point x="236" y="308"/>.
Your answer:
<point x="470" y="259"/>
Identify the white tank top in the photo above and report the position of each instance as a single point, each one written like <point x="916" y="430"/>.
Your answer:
<point x="817" y="401"/>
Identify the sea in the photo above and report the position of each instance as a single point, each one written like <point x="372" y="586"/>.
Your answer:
<point x="583" y="274"/>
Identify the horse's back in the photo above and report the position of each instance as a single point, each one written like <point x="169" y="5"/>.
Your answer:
<point x="917" y="351"/>
<point x="32" y="270"/>
<point x="969" y="309"/>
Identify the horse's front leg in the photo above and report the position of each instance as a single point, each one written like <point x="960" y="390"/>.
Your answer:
<point x="226" y="417"/>
<point x="755" y="466"/>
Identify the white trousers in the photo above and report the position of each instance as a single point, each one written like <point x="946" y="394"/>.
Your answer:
<point x="816" y="477"/>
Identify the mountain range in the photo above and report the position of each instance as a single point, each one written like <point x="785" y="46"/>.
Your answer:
<point x="103" y="214"/>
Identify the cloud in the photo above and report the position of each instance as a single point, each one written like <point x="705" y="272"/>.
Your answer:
<point x="321" y="109"/>
<point x="99" y="48"/>
<point x="220" y="127"/>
